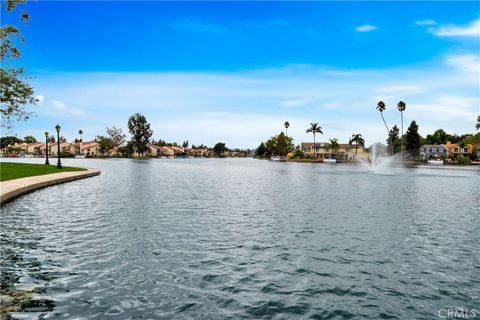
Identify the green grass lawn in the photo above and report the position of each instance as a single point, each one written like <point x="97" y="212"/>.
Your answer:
<point x="11" y="170"/>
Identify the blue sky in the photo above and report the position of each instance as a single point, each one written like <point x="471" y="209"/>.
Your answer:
<point x="235" y="71"/>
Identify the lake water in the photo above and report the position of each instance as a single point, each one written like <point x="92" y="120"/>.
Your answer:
<point x="246" y="238"/>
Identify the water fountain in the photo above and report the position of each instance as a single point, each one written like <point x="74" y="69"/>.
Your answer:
<point x="380" y="162"/>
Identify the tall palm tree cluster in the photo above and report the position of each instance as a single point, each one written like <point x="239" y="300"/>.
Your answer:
<point x="316" y="129"/>
<point x="401" y="106"/>
<point x="358" y="139"/>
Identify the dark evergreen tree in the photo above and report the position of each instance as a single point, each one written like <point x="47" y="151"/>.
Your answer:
<point x="219" y="149"/>
<point x="393" y="141"/>
<point x="413" y="140"/>
<point x="261" y="150"/>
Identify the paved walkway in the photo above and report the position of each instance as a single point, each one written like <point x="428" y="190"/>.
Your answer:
<point x="12" y="189"/>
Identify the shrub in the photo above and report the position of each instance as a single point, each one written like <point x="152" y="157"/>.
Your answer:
<point x="462" y="160"/>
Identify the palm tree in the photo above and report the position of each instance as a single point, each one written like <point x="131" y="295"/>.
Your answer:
<point x="334" y="145"/>
<point x="286" y="125"/>
<point x="401" y="107"/>
<point x="314" y="128"/>
<point x="478" y="123"/>
<point x="381" y="108"/>
<point x="80" y="132"/>
<point x="357" y="137"/>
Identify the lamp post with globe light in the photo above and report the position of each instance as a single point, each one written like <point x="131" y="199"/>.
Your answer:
<point x="59" y="163"/>
<point x="46" y="148"/>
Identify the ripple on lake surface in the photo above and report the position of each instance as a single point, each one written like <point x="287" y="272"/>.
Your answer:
<point x="243" y="238"/>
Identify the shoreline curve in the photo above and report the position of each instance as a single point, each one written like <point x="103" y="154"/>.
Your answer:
<point x="13" y="189"/>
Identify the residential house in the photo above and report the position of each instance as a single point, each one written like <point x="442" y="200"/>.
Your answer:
<point x="91" y="149"/>
<point x="431" y="150"/>
<point x="17" y="148"/>
<point x="32" y="148"/>
<point x="344" y="150"/>
<point x="159" y="151"/>
<point x="178" y="150"/>
<point x="53" y="148"/>
<point x="318" y="149"/>
<point x="198" y="152"/>
<point x="349" y="152"/>
<point x="455" y="150"/>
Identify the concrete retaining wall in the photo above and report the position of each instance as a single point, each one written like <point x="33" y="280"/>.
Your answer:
<point x="15" y="188"/>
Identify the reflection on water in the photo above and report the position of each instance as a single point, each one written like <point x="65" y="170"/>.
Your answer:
<point x="244" y="238"/>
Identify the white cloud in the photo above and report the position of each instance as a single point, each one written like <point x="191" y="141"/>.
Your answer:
<point x="467" y="63"/>
<point x="401" y="89"/>
<point x="447" y="108"/>
<point x="58" y="107"/>
<point x="425" y="23"/>
<point x="470" y="30"/>
<point x="291" y="103"/>
<point x="244" y="107"/>
<point x="366" y="28"/>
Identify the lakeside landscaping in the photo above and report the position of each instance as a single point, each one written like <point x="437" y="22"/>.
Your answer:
<point x="10" y="170"/>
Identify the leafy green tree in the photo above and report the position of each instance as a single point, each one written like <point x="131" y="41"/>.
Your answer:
<point x="127" y="150"/>
<point x="261" y="150"/>
<point x="413" y="140"/>
<point x="358" y="139"/>
<point x="461" y="159"/>
<point x="298" y="153"/>
<point x="393" y="141"/>
<point x="438" y="137"/>
<point x="283" y="144"/>
<point x="8" y="140"/>
<point x="105" y="144"/>
<point x="477" y="125"/>
<point x="219" y="149"/>
<point x="16" y="92"/>
<point x="279" y="145"/>
<point x="314" y="128"/>
<point x="141" y="133"/>
<point x="29" y="139"/>
<point x="116" y="135"/>
<point x="270" y="146"/>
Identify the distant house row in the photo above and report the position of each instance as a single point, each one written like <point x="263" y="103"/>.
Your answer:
<point x="38" y="149"/>
<point x="92" y="149"/>
<point x="344" y="150"/>
<point x="448" y="150"/>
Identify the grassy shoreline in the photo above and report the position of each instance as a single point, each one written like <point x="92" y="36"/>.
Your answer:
<point x="13" y="170"/>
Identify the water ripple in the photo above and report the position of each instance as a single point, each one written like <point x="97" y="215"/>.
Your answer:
<point x="230" y="239"/>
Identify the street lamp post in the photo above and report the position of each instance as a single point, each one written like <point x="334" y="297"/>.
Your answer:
<point x="46" y="148"/>
<point x="59" y="163"/>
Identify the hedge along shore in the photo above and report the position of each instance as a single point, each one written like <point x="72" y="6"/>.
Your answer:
<point x="12" y="189"/>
